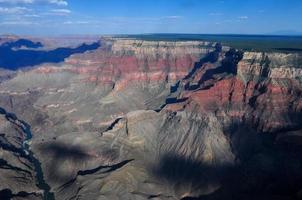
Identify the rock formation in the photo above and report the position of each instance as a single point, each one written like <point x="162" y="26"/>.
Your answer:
<point x="138" y="119"/>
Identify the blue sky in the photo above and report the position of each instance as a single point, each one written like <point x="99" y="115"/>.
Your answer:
<point x="55" y="17"/>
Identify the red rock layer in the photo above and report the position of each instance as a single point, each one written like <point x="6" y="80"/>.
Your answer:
<point x="269" y="103"/>
<point x="274" y="109"/>
<point x="103" y="67"/>
<point x="120" y="62"/>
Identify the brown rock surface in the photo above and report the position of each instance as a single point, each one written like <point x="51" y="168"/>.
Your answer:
<point x="164" y="120"/>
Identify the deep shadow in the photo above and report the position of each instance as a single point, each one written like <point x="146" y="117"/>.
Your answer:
<point x="265" y="64"/>
<point x="175" y="87"/>
<point x="9" y="147"/>
<point x="2" y="111"/>
<point x="108" y="168"/>
<point x="59" y="153"/>
<point x="266" y="169"/>
<point x="181" y="170"/>
<point x="22" y="43"/>
<point x="212" y="57"/>
<point x="14" y="59"/>
<point x="228" y="65"/>
<point x="100" y="169"/>
<point x="113" y="124"/>
<point x="7" y="194"/>
<point x="63" y="151"/>
<point x="5" y="165"/>
<point x="175" y="100"/>
<point x="261" y="90"/>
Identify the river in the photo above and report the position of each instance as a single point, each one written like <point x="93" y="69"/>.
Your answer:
<point x="26" y="128"/>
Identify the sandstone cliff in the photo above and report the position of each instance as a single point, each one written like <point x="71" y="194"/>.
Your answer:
<point x="138" y="119"/>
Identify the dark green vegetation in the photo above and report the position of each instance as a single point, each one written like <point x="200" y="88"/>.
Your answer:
<point x="265" y="43"/>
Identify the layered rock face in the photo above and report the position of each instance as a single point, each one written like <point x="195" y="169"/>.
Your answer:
<point x="16" y="168"/>
<point x="135" y="60"/>
<point x="112" y="80"/>
<point x="141" y="119"/>
<point x="259" y="111"/>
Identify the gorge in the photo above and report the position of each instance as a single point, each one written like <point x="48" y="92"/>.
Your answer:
<point x="134" y="118"/>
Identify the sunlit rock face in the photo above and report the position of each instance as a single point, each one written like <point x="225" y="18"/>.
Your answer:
<point x="271" y="65"/>
<point x="139" y="61"/>
<point x="113" y="79"/>
<point x="137" y="119"/>
<point x="256" y="90"/>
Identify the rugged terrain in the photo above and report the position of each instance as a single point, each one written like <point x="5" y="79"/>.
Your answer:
<point x="133" y="119"/>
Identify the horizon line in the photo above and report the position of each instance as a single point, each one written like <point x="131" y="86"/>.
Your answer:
<point x="150" y="34"/>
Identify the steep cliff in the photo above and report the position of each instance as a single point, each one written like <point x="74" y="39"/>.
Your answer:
<point x="139" y="119"/>
<point x="258" y="106"/>
<point x="18" y="176"/>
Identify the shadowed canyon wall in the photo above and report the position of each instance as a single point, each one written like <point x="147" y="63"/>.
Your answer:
<point x="137" y="119"/>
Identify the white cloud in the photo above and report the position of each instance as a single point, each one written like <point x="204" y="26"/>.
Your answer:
<point x="32" y="15"/>
<point x="17" y="1"/>
<point x="243" y="17"/>
<point x="61" y="11"/>
<point x="12" y="23"/>
<point x="78" y="22"/>
<point x="59" y="2"/>
<point x="14" y="10"/>
<point x="56" y="2"/>
<point x="173" y="17"/>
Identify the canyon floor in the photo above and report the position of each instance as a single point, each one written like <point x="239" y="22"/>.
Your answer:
<point x="130" y="119"/>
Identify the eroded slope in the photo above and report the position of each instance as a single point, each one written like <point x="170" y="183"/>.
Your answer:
<point x="164" y="120"/>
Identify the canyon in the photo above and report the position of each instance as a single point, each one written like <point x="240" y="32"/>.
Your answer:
<point x="126" y="118"/>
